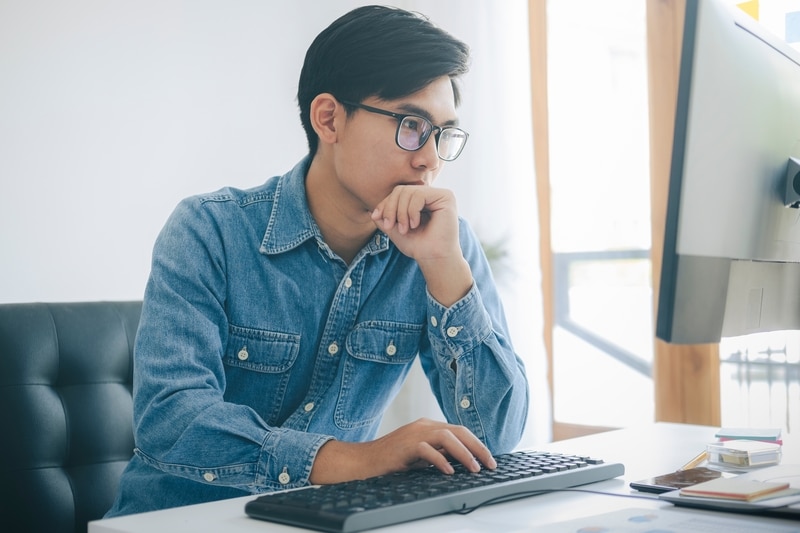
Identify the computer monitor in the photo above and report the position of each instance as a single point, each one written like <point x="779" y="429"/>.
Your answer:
<point x="731" y="263"/>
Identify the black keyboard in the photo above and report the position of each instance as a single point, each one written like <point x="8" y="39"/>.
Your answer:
<point x="404" y="496"/>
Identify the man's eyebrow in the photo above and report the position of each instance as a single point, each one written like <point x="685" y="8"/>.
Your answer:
<point x="416" y="110"/>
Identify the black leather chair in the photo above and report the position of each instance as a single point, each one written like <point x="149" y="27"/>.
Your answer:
<point x="65" y="411"/>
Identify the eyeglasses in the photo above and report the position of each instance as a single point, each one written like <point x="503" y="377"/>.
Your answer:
<point x="413" y="132"/>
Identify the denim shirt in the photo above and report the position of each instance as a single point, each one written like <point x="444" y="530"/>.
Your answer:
<point x="257" y="344"/>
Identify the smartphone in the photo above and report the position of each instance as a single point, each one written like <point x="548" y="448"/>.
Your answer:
<point x="675" y="480"/>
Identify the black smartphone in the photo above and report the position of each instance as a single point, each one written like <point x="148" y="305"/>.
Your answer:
<point x="675" y="480"/>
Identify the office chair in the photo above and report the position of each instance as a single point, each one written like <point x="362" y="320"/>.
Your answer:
<point x="66" y="410"/>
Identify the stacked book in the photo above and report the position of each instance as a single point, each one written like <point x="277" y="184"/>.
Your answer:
<point x="745" y="448"/>
<point x="761" y="434"/>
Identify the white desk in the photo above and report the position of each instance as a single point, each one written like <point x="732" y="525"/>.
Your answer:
<point x="645" y="451"/>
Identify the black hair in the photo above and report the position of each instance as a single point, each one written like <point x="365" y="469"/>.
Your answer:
<point x="377" y="51"/>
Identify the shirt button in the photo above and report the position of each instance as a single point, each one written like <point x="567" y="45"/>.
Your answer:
<point x="284" y="477"/>
<point x="348" y="283"/>
<point x="208" y="476"/>
<point x="333" y="348"/>
<point x="452" y="331"/>
<point x="308" y="407"/>
<point x="465" y="402"/>
<point x="243" y="355"/>
<point x="377" y="240"/>
<point x="434" y="322"/>
<point x="391" y="350"/>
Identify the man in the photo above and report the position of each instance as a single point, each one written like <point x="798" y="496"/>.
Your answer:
<point x="279" y="322"/>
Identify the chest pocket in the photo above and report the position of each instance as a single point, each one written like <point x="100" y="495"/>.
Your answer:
<point x="384" y="342"/>
<point x="258" y="365"/>
<point x="261" y="350"/>
<point x="379" y="356"/>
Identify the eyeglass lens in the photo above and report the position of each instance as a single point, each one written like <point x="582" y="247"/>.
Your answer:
<point x="451" y="142"/>
<point x="413" y="132"/>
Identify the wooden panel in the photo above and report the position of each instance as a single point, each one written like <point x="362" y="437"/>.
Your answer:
<point x="563" y="430"/>
<point x="537" y="13"/>
<point x="686" y="377"/>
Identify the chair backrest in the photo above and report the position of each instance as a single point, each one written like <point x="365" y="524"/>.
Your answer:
<point x="66" y="411"/>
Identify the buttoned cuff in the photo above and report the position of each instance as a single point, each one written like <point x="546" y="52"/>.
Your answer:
<point x="462" y="326"/>
<point x="289" y="456"/>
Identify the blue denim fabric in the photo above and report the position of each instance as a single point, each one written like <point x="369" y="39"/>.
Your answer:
<point x="257" y="345"/>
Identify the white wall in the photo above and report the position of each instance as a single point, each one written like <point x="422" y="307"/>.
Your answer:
<point x="111" y="112"/>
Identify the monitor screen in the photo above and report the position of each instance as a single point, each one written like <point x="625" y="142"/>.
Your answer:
<point x="731" y="263"/>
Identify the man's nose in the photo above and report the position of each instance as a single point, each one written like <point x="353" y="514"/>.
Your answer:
<point x="427" y="156"/>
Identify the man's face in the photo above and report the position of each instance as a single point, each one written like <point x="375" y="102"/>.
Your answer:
<point x="368" y="162"/>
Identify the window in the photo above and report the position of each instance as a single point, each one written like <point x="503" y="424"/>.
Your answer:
<point x="600" y="212"/>
<point x="599" y="176"/>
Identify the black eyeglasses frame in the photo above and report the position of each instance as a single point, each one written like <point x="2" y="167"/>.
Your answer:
<point x="400" y="117"/>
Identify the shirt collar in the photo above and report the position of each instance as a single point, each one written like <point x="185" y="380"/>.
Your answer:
<point x="290" y="223"/>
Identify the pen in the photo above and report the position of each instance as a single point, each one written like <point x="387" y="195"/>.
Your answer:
<point x="695" y="461"/>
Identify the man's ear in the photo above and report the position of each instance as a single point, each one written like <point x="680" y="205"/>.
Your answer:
<point x="325" y="110"/>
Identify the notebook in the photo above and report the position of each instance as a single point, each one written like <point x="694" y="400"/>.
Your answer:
<point x="783" y="506"/>
<point x="736" y="488"/>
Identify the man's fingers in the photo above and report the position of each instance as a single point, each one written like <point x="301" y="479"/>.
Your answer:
<point x="461" y="445"/>
<point x="402" y="199"/>
<point x="435" y="457"/>
<point x="474" y="448"/>
<point x="406" y="207"/>
<point x="427" y="442"/>
<point x="416" y="207"/>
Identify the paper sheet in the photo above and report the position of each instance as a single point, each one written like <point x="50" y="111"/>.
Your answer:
<point x="668" y="520"/>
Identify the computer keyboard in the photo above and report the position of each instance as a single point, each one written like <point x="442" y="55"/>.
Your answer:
<point x="404" y="496"/>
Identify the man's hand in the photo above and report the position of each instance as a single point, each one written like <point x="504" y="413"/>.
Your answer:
<point x="415" y="445"/>
<point x="422" y="222"/>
